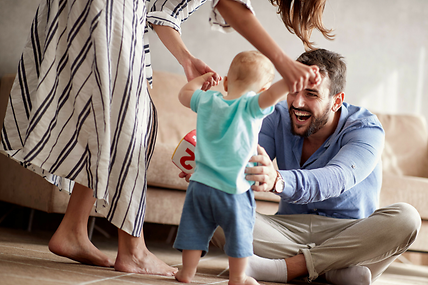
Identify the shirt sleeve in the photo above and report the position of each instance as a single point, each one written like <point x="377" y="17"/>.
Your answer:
<point x="194" y="101"/>
<point x="254" y="107"/>
<point x="355" y="161"/>
<point x="174" y="12"/>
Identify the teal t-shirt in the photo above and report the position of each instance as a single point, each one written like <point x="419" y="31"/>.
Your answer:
<point x="226" y="138"/>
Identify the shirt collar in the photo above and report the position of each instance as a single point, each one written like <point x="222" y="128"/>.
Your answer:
<point x="340" y="124"/>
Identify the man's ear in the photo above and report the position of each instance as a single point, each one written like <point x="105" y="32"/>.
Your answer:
<point x="338" y="100"/>
<point x="225" y="83"/>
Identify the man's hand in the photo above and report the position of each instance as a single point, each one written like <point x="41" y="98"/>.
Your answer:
<point x="264" y="173"/>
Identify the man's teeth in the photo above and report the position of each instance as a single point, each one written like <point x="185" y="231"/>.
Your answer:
<point x="300" y="113"/>
<point x="302" y="116"/>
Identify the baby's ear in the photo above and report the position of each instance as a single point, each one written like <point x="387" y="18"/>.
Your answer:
<point x="225" y="83"/>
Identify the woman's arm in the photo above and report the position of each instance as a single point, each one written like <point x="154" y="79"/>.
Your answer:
<point x="193" y="67"/>
<point x="296" y="75"/>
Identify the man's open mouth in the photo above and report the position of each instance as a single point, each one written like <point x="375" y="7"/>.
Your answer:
<point x="302" y="116"/>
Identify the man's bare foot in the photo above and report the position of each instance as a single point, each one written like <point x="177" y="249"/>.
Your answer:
<point x="145" y="263"/>
<point x="77" y="247"/>
<point x="246" y="281"/>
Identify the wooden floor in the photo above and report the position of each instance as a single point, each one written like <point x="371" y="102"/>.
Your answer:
<point x="26" y="259"/>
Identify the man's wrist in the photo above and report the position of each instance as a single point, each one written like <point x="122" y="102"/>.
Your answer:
<point x="279" y="184"/>
<point x="274" y="182"/>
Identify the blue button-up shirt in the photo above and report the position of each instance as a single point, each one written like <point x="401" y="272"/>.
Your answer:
<point x="342" y="179"/>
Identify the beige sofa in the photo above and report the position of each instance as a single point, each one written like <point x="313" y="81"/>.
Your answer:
<point x="405" y="160"/>
<point x="166" y="190"/>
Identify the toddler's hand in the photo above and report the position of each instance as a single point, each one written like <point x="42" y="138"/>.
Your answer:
<point x="299" y="76"/>
<point x="211" y="79"/>
<point x="185" y="176"/>
<point x="196" y="67"/>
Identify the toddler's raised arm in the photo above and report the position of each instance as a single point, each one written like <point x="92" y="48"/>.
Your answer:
<point x="186" y="92"/>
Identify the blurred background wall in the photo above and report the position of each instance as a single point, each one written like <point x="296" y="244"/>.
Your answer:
<point x="384" y="42"/>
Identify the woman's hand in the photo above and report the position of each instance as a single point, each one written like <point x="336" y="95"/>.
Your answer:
<point x="194" y="67"/>
<point x="264" y="172"/>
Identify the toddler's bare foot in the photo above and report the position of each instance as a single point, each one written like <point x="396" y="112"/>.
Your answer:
<point x="145" y="263"/>
<point x="183" y="277"/>
<point x="77" y="247"/>
<point x="246" y="281"/>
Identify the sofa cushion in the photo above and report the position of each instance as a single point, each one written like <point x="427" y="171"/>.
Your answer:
<point x="175" y="121"/>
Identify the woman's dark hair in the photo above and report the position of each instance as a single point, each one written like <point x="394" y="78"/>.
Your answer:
<point x="301" y="17"/>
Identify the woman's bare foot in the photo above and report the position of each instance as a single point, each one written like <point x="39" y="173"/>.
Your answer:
<point x="71" y="238"/>
<point x="144" y="263"/>
<point x="134" y="257"/>
<point x="246" y="281"/>
<point x="77" y="247"/>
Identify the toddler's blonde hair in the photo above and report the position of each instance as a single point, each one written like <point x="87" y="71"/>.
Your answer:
<point x="249" y="67"/>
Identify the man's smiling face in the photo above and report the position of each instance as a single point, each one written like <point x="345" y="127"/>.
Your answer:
<point x="310" y="109"/>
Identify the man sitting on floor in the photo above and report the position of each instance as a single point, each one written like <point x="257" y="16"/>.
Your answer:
<point x="329" y="179"/>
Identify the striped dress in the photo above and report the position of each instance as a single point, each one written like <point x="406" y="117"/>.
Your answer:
<point x="79" y="109"/>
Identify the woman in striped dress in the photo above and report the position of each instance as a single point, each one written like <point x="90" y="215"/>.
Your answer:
<point x="80" y="115"/>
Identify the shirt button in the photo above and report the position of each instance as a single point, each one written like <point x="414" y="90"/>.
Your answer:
<point x="353" y="166"/>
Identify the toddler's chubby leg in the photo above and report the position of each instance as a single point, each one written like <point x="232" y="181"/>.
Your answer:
<point x="190" y="263"/>
<point x="237" y="274"/>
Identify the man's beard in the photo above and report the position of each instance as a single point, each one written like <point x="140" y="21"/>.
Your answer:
<point x="316" y="122"/>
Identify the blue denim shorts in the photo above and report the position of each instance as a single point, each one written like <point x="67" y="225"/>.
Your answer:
<point x="205" y="208"/>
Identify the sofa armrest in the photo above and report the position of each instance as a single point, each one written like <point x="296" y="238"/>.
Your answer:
<point x="409" y="189"/>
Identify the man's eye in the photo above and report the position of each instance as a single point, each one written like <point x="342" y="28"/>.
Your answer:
<point x="312" y="95"/>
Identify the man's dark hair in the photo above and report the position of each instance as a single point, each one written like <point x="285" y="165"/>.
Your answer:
<point x="329" y="63"/>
